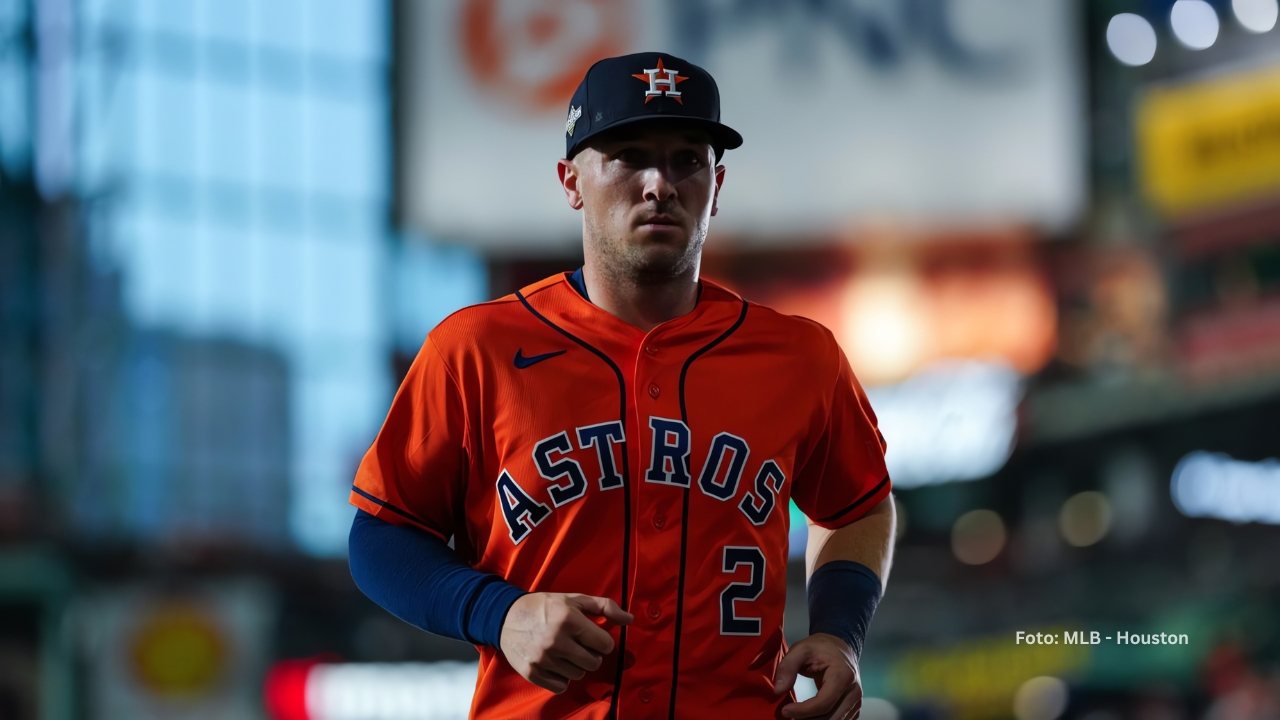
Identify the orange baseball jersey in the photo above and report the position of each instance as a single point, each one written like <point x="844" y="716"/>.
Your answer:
<point x="567" y="451"/>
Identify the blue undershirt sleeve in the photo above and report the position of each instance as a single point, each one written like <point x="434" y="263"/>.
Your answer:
<point x="421" y="580"/>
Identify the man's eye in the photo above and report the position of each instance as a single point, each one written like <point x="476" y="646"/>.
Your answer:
<point x="631" y="156"/>
<point x="689" y="158"/>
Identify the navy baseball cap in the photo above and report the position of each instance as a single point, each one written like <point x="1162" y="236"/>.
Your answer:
<point x="645" y="87"/>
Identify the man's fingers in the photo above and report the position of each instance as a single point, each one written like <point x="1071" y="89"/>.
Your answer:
<point x="603" y="607"/>
<point x="572" y="652"/>
<point x="554" y="682"/>
<point x="834" y="687"/>
<point x="562" y="667"/>
<point x="590" y="635"/>
<point x="614" y="612"/>
<point x="785" y="676"/>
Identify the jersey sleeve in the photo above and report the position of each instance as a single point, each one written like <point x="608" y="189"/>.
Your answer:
<point x="845" y="474"/>
<point x="414" y="472"/>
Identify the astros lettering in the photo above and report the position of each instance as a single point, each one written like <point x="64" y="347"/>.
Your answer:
<point x="565" y="479"/>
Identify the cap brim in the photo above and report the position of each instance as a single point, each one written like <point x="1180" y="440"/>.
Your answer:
<point x="723" y="137"/>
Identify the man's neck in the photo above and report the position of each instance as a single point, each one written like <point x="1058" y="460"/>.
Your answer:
<point x="641" y="303"/>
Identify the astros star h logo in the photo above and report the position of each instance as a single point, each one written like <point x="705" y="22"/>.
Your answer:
<point x="661" y="77"/>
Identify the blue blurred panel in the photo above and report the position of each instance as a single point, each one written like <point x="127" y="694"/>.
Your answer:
<point x="432" y="281"/>
<point x="225" y="20"/>
<point x="13" y="12"/>
<point x="337" y="414"/>
<point x="15" y="114"/>
<point x="159" y="271"/>
<point x="227" y="257"/>
<point x="345" y="147"/>
<point x="340" y="372"/>
<point x="349" y="409"/>
<point x="164" y="130"/>
<point x="225" y="132"/>
<point x="340" y="290"/>
<point x="191" y="441"/>
<point x="151" y="408"/>
<point x="16" y="111"/>
<point x="106" y="144"/>
<point x="112" y="12"/>
<point x="277" y="282"/>
<point x="332" y="218"/>
<point x="250" y="228"/>
<point x="279" y="24"/>
<point x="350" y="30"/>
<point x="221" y="408"/>
<point x="165" y="16"/>
<point x="277" y="138"/>
<point x="256" y="285"/>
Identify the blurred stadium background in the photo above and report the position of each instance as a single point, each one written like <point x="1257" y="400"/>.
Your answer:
<point x="1047" y="233"/>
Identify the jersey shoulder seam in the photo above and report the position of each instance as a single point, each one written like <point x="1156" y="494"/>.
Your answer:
<point x="510" y="298"/>
<point x="828" y="337"/>
<point x="457" y="390"/>
<point x="539" y="291"/>
<point x="504" y="300"/>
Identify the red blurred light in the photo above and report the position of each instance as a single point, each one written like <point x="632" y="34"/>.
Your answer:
<point x="285" y="689"/>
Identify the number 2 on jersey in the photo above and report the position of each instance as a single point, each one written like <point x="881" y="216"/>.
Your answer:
<point x="735" y="556"/>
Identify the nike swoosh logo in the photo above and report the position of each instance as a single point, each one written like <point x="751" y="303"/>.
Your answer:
<point x="523" y="362"/>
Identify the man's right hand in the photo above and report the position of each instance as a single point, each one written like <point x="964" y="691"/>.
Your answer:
<point x="549" y="639"/>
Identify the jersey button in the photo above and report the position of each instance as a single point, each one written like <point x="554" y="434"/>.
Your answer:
<point x="653" y="610"/>
<point x="654" y="391"/>
<point x="645" y="695"/>
<point x="659" y="521"/>
<point x="651" y="349"/>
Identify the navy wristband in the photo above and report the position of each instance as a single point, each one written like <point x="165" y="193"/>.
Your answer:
<point x="418" y="578"/>
<point x="843" y="596"/>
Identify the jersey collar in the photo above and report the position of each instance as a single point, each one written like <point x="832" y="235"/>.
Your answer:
<point x="562" y="300"/>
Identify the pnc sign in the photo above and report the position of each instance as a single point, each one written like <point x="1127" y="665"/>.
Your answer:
<point x="533" y="54"/>
<point x="949" y="113"/>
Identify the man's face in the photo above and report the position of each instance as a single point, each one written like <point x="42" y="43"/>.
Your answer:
<point x="647" y="194"/>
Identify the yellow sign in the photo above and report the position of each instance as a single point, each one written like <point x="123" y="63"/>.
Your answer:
<point x="1211" y="143"/>
<point x="178" y="651"/>
<point x="978" y="678"/>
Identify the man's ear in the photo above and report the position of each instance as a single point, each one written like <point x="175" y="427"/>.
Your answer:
<point x="569" y="182"/>
<point x="715" y="196"/>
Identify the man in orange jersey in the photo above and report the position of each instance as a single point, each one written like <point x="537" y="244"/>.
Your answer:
<point x="612" y="451"/>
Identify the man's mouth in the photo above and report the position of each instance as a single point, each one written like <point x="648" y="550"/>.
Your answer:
<point x="659" y="220"/>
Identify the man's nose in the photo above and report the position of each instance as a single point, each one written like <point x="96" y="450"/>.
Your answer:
<point x="658" y="184"/>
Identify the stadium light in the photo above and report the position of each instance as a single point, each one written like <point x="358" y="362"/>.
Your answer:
<point x="1085" y="518"/>
<point x="1195" y="23"/>
<point x="977" y="537"/>
<point x="1131" y="39"/>
<point x="1256" y="16"/>
<point x="1218" y="486"/>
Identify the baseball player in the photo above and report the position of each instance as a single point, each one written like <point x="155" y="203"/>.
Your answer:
<point x="589" y="478"/>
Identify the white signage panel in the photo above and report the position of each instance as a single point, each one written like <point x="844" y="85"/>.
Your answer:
<point x="939" y="112"/>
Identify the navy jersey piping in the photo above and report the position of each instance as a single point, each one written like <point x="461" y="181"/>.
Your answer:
<point x="684" y="518"/>
<point x="397" y="510"/>
<point x="851" y="506"/>
<point x="626" y="497"/>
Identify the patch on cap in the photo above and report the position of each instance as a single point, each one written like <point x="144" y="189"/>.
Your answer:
<point x="574" y="114"/>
